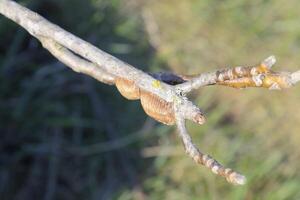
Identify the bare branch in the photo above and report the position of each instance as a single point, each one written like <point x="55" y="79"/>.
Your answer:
<point x="200" y="80"/>
<point x="38" y="26"/>
<point x="43" y="30"/>
<point x="259" y="75"/>
<point x="75" y="62"/>
<point x="204" y="159"/>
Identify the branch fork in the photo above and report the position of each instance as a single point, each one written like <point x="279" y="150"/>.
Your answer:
<point x="162" y="95"/>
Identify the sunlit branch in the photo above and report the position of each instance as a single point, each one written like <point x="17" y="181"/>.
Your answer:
<point x="75" y="62"/>
<point x="259" y="75"/>
<point x="204" y="159"/>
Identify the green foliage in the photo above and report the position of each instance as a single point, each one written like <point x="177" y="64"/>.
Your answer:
<point x="65" y="136"/>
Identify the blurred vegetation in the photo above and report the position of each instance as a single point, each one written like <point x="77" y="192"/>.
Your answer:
<point x="66" y="136"/>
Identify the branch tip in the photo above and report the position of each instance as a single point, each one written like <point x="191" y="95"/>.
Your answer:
<point x="295" y="77"/>
<point x="238" y="179"/>
<point x="269" y="61"/>
<point x="204" y="159"/>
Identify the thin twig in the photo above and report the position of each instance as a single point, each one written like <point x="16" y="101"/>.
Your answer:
<point x="204" y="159"/>
<point x="259" y="75"/>
<point x="75" y="62"/>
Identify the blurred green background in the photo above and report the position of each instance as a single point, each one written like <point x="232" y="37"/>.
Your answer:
<point x="64" y="135"/>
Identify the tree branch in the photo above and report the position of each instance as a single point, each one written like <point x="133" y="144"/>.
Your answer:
<point x="204" y="159"/>
<point x="38" y="26"/>
<point x="259" y="75"/>
<point x="162" y="95"/>
<point x="76" y="63"/>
